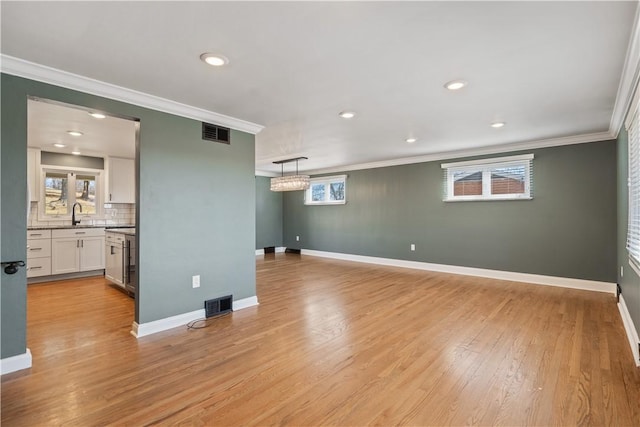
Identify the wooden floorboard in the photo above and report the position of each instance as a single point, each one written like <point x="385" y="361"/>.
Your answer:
<point x="332" y="343"/>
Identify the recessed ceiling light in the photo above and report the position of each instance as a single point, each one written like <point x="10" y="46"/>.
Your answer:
<point x="497" y="125"/>
<point x="411" y="140"/>
<point x="455" y="84"/>
<point x="74" y="133"/>
<point x="57" y="144"/>
<point x="76" y="153"/>
<point x="97" y="115"/>
<point x="214" y="59"/>
<point x="347" y="114"/>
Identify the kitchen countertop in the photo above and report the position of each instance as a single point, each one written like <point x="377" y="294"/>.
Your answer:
<point x="62" y="227"/>
<point x="128" y="231"/>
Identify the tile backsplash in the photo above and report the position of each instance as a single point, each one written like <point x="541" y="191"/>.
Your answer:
<point x="117" y="214"/>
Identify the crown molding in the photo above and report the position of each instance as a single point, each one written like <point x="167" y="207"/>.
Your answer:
<point x="42" y="73"/>
<point x="267" y="174"/>
<point x="629" y="78"/>
<point x="495" y="149"/>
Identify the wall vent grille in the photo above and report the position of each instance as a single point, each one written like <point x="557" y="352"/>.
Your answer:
<point x="216" y="133"/>
<point x="218" y="306"/>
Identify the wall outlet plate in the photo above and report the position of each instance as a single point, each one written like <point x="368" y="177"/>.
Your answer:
<point x="413" y="246"/>
<point x="195" y="281"/>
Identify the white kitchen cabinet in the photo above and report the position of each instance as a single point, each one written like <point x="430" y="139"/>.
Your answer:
<point x="122" y="181"/>
<point x="65" y="256"/>
<point x="38" y="253"/>
<point x="74" y="250"/>
<point x="92" y="253"/>
<point x="33" y="161"/>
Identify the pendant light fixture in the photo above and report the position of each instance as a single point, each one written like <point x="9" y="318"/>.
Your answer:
<point x="290" y="182"/>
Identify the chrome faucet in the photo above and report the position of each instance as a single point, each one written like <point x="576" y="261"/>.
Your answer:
<point x="75" y="221"/>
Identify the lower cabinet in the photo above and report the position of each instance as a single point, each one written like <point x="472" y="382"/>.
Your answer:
<point x="38" y="253"/>
<point x="74" y="250"/>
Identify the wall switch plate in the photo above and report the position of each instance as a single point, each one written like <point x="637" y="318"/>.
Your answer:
<point x="297" y="238"/>
<point x="195" y="281"/>
<point x="413" y="246"/>
<point x="621" y="271"/>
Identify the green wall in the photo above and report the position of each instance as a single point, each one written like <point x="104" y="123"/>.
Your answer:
<point x="196" y="210"/>
<point x="567" y="230"/>
<point x="268" y="214"/>
<point x="629" y="282"/>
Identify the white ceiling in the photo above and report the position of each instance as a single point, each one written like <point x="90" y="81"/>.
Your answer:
<point x="548" y="69"/>
<point x="49" y="123"/>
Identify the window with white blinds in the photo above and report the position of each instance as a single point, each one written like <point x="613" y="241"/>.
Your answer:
<point x="633" y="231"/>
<point x="503" y="178"/>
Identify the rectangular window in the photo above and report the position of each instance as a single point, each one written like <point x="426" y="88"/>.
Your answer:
<point x="64" y="187"/>
<point x="633" y="230"/>
<point x="56" y="193"/>
<point x="326" y="190"/>
<point x="504" y="178"/>
<point x="86" y="193"/>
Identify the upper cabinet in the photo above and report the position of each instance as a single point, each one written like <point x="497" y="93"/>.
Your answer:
<point x="122" y="181"/>
<point x="33" y="161"/>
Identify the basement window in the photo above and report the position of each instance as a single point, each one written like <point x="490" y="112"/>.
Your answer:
<point x="327" y="190"/>
<point x="502" y="178"/>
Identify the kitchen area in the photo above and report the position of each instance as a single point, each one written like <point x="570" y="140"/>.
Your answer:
<point x="81" y="220"/>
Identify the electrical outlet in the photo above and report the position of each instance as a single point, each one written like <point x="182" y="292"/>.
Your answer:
<point x="413" y="246"/>
<point x="195" y="281"/>
<point x="297" y="238"/>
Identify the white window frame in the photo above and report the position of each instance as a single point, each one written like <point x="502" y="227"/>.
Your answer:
<point x="98" y="173"/>
<point x="485" y="166"/>
<point x="632" y="124"/>
<point x="326" y="180"/>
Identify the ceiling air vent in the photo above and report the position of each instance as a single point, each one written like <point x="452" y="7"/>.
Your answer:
<point x="216" y="133"/>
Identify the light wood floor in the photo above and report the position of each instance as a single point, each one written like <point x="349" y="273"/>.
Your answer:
<point x="332" y="343"/>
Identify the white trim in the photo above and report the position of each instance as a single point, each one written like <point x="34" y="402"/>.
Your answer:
<point x="628" y="79"/>
<point x="16" y="363"/>
<point x="633" y="264"/>
<point x="279" y="249"/>
<point x="140" y="330"/>
<point x="30" y="70"/>
<point x="632" y="333"/>
<point x="536" y="279"/>
<point x="245" y="303"/>
<point x="503" y="148"/>
<point x="488" y="161"/>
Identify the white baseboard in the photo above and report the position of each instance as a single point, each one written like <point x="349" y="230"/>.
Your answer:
<point x="279" y="249"/>
<point x="245" y="303"/>
<point x="632" y="333"/>
<point x="537" y="279"/>
<point x="15" y="363"/>
<point x="144" y="329"/>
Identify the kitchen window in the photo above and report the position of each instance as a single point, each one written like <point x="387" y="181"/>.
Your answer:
<point x="326" y="190"/>
<point x="503" y="178"/>
<point x="64" y="187"/>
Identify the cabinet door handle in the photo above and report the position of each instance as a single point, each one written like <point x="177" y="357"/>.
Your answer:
<point x="82" y="243"/>
<point x="35" y="249"/>
<point x="34" y="268"/>
<point x="109" y="196"/>
<point x="81" y="232"/>
<point x="35" y="234"/>
<point x="77" y="243"/>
